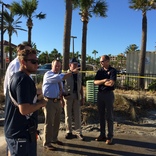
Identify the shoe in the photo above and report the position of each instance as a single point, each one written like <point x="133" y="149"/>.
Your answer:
<point x="80" y="137"/>
<point x="50" y="147"/>
<point x="58" y="143"/>
<point x="70" y="136"/>
<point x="109" y="141"/>
<point x="100" y="138"/>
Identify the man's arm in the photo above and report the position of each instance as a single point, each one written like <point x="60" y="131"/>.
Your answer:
<point x="99" y="82"/>
<point x="109" y="83"/>
<point x="67" y="75"/>
<point x="27" y="108"/>
<point x="75" y="71"/>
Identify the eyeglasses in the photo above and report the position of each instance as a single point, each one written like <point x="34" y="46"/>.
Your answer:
<point x="33" y="61"/>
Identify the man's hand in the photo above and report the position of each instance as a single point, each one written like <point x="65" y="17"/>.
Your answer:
<point x="109" y="83"/>
<point x="40" y="97"/>
<point x="76" y="70"/>
<point x="43" y="102"/>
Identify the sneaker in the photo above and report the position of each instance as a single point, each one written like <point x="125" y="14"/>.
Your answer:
<point x="70" y="136"/>
<point x="109" y="141"/>
<point x="80" y="137"/>
<point x="100" y="138"/>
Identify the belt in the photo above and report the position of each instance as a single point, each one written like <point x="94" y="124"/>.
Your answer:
<point x="53" y="99"/>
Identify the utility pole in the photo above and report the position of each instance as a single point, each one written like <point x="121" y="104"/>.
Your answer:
<point x="7" y="6"/>
<point x="73" y="37"/>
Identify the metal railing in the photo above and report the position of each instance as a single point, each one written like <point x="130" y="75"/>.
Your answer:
<point x="131" y="80"/>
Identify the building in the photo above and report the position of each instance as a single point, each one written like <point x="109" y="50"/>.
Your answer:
<point x="150" y="65"/>
<point x="119" y="61"/>
<point x="133" y="62"/>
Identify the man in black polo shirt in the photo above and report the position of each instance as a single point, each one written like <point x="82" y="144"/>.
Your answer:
<point x="21" y="107"/>
<point x="105" y="78"/>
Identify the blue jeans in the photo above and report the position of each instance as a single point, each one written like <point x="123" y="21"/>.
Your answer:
<point x="21" y="147"/>
<point x="105" y="102"/>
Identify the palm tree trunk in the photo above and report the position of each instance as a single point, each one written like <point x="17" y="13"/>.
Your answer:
<point x="29" y="35"/>
<point x="83" y="52"/>
<point x="29" y="25"/>
<point x="67" y="34"/>
<point x="143" y="50"/>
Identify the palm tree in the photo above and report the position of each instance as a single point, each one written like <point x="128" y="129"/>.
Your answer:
<point x="67" y="34"/>
<point x="34" y="46"/>
<point x="90" y="60"/>
<point x="144" y="6"/>
<point x="44" y="57"/>
<point x="121" y="61"/>
<point x="87" y="9"/>
<point x="27" y="9"/>
<point x="131" y="48"/>
<point x="77" y="55"/>
<point x="11" y="26"/>
<point x="55" y="55"/>
<point x="13" y="52"/>
<point x="94" y="52"/>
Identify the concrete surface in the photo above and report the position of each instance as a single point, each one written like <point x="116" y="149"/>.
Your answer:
<point x="125" y="144"/>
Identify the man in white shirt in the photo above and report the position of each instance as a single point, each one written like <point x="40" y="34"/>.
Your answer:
<point x="14" y="65"/>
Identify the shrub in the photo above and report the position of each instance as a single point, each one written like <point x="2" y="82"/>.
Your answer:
<point x="152" y="86"/>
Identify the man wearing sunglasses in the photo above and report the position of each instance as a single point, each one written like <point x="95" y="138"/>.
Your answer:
<point x="105" y="78"/>
<point x="14" y="65"/>
<point x="21" y="107"/>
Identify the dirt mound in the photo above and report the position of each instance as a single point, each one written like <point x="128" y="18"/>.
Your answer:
<point x="130" y="105"/>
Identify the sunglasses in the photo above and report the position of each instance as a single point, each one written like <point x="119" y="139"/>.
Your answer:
<point x="33" y="61"/>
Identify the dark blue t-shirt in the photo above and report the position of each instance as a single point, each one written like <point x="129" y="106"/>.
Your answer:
<point x="106" y="74"/>
<point x="23" y="90"/>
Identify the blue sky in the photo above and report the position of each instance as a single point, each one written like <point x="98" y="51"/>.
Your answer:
<point x="110" y="35"/>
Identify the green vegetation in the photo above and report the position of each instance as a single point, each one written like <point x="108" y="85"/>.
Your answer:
<point x="27" y="9"/>
<point x="152" y="86"/>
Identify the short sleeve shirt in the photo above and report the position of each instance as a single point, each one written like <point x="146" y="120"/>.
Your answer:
<point x="23" y="90"/>
<point x="106" y="74"/>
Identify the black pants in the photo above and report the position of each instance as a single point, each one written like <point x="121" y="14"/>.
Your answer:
<point x="105" y="102"/>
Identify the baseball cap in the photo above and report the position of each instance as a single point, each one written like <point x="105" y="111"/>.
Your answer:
<point x="73" y="60"/>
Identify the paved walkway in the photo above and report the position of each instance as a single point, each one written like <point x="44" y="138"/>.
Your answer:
<point x="124" y="145"/>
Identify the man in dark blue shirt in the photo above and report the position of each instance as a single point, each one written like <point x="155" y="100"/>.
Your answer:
<point x="105" y="78"/>
<point x="20" y="109"/>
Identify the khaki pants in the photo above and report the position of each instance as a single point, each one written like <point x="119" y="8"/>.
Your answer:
<point x="72" y="105"/>
<point x="52" y="113"/>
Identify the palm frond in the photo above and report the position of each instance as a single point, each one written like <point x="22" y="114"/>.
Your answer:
<point x="41" y="16"/>
<point x="143" y="5"/>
